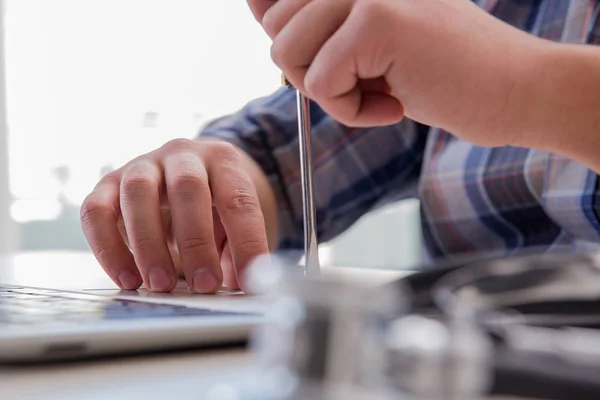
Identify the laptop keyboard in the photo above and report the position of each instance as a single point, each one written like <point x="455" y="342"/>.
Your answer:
<point x="30" y="306"/>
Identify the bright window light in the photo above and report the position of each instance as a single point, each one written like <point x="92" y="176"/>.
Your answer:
<point x="93" y="83"/>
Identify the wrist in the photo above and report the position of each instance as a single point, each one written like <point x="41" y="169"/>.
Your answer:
<point x="520" y="82"/>
<point x="542" y="85"/>
<point x="501" y="101"/>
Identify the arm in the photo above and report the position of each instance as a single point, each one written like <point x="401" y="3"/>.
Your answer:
<point x="564" y="119"/>
<point x="467" y="72"/>
<point x="564" y="99"/>
<point x="355" y="169"/>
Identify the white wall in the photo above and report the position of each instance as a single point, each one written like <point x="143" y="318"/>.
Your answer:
<point x="389" y="237"/>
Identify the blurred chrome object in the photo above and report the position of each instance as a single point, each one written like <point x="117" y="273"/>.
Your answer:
<point x="334" y="339"/>
<point x="325" y="339"/>
<point x="502" y="331"/>
<point x="432" y="360"/>
<point x="525" y="289"/>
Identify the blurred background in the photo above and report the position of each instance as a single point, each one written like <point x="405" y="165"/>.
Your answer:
<point x="86" y="85"/>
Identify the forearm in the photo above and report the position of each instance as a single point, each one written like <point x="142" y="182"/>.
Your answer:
<point x="564" y="103"/>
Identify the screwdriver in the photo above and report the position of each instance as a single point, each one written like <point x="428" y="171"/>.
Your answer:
<point x="312" y="265"/>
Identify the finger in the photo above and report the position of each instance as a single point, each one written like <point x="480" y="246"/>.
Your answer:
<point x="219" y="231"/>
<point x="223" y="248"/>
<point x="229" y="276"/>
<point x="99" y="216"/>
<point x="277" y="16"/>
<point x="347" y="75"/>
<point x="140" y="206"/>
<point x="170" y="237"/>
<point x="298" y="43"/>
<point x="238" y="206"/>
<point x="260" y="7"/>
<point x="191" y="209"/>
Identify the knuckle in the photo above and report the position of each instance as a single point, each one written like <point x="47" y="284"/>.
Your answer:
<point x="137" y="182"/>
<point x="252" y="244"/>
<point x="195" y="243"/>
<point x="187" y="184"/>
<point x="241" y="200"/>
<point x="92" y="209"/>
<point x="144" y="243"/>
<point x="178" y="144"/>
<point x="269" y="23"/>
<point x="277" y="53"/>
<point x="314" y="86"/>
<point x="224" y="151"/>
<point x="274" y="19"/>
<point x="185" y="179"/>
<point x="110" y="178"/>
<point x="136" y="188"/>
<point x="371" y="10"/>
<point x="103" y="253"/>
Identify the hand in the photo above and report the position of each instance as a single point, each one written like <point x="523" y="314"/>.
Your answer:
<point x="444" y="63"/>
<point x="188" y="206"/>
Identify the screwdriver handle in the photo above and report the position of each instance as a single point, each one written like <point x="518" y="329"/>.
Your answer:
<point x="285" y="82"/>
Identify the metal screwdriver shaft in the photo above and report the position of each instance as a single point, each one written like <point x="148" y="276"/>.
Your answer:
<point x="311" y="248"/>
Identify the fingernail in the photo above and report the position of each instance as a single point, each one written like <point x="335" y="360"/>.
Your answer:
<point x="203" y="281"/>
<point x="159" y="279"/>
<point x="128" y="280"/>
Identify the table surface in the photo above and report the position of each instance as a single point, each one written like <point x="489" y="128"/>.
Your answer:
<point x="173" y="375"/>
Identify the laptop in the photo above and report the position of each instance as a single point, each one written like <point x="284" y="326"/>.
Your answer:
<point x="62" y="306"/>
<point x="73" y="317"/>
<point x="39" y="324"/>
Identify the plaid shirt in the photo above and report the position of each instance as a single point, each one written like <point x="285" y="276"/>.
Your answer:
<point x="472" y="198"/>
